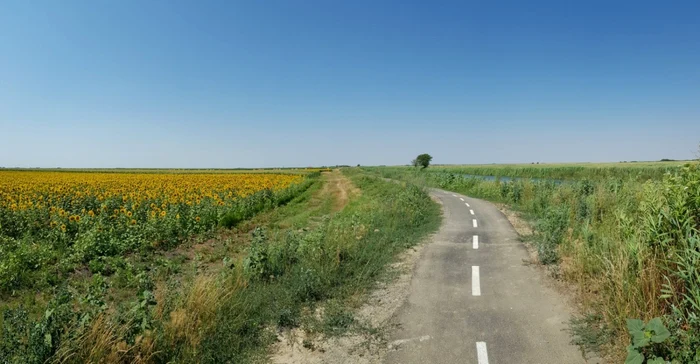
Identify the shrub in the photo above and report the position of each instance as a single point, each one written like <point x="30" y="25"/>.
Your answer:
<point x="551" y="230"/>
<point x="257" y="263"/>
<point x="24" y="341"/>
<point x="645" y="341"/>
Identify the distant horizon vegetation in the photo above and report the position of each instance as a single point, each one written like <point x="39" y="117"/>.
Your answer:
<point x="341" y="166"/>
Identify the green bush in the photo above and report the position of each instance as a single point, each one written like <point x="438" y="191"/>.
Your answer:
<point x="551" y="230"/>
<point x="645" y="341"/>
<point x="26" y="341"/>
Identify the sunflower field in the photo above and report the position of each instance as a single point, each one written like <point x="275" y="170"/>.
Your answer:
<point x="60" y="220"/>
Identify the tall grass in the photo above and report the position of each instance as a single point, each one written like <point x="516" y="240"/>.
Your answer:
<point x="637" y="171"/>
<point x="630" y="244"/>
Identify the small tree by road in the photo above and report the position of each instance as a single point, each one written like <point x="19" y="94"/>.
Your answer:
<point x="422" y="161"/>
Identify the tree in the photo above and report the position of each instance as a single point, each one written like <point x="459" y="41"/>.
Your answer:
<point x="422" y="161"/>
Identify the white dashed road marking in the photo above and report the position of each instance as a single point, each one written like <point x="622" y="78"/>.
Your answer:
<point x="475" y="242"/>
<point x="471" y="212"/>
<point x="476" y="286"/>
<point x="467" y="204"/>
<point x="474" y="222"/>
<point x="454" y="195"/>
<point x="397" y="343"/>
<point x="481" y="353"/>
<point x="461" y="199"/>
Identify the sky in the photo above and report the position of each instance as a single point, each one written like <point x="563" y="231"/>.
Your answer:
<point x="230" y="84"/>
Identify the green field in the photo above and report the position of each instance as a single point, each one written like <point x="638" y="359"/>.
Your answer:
<point x="643" y="164"/>
<point x="636" y="170"/>
<point x="625" y="236"/>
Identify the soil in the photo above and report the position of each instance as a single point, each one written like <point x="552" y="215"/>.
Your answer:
<point x="340" y="187"/>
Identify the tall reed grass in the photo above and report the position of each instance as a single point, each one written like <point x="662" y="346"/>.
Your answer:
<point x="641" y="171"/>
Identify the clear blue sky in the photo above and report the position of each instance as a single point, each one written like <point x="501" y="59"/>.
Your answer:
<point x="295" y="83"/>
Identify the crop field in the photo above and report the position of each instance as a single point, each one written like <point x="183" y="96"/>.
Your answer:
<point x="65" y="218"/>
<point x="74" y="244"/>
<point x="298" y="171"/>
<point x="160" y="266"/>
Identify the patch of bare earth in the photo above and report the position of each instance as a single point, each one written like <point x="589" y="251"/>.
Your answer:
<point x="360" y="346"/>
<point x="522" y="227"/>
<point x="340" y="187"/>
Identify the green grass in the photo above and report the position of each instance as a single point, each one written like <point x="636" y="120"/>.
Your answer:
<point x="630" y="164"/>
<point x="563" y="171"/>
<point x="629" y="242"/>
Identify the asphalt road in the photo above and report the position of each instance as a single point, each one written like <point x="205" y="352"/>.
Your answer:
<point x="482" y="304"/>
